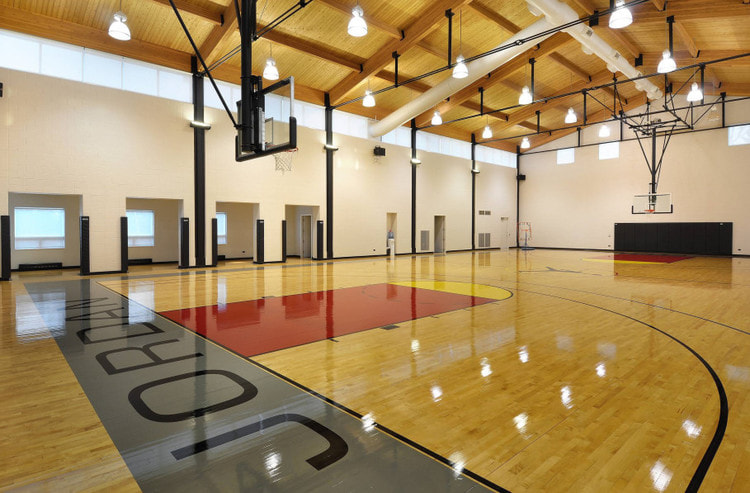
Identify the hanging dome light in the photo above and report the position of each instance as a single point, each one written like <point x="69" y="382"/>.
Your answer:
<point x="118" y="29"/>
<point x="695" y="93"/>
<point x="369" y="99"/>
<point x="667" y="63"/>
<point x="525" y="97"/>
<point x="270" y="72"/>
<point x="571" y="116"/>
<point x="621" y="17"/>
<point x="460" y="70"/>
<point x="436" y="119"/>
<point x="487" y="132"/>
<point x="357" y="25"/>
<point x="525" y="144"/>
<point x="604" y="131"/>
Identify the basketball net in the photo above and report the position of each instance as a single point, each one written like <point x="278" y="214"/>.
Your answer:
<point x="284" y="160"/>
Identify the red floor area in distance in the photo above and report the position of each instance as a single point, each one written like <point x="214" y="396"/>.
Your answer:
<point x="260" y="326"/>
<point x="634" y="257"/>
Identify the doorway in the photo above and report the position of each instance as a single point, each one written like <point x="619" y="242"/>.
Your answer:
<point x="439" y="234"/>
<point x="305" y="236"/>
<point x="504" y="233"/>
<point x="390" y="230"/>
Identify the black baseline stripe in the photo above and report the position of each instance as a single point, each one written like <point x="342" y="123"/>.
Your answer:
<point x="421" y="448"/>
<point x="721" y="426"/>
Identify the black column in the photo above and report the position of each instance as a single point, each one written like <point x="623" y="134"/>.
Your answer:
<point x="85" y="265"/>
<point x="518" y="191"/>
<point x="214" y="242"/>
<point x="473" y="191"/>
<point x="260" y="254"/>
<point x="199" y="167"/>
<point x="320" y="240"/>
<point x="124" y="244"/>
<point x="413" y="186"/>
<point x="184" y="242"/>
<point x="329" y="177"/>
<point x="5" y="253"/>
<point x="283" y="240"/>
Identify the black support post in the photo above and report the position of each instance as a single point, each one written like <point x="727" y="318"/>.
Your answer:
<point x="413" y="186"/>
<point x="124" y="244"/>
<point x="329" y="178"/>
<point x="184" y="242"/>
<point x="518" y="191"/>
<point x="283" y="240"/>
<point x="5" y="245"/>
<point x="473" y="191"/>
<point x="319" y="234"/>
<point x="260" y="238"/>
<point x="85" y="265"/>
<point x="199" y="166"/>
<point x="214" y="242"/>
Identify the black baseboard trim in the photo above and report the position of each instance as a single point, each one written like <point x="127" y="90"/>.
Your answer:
<point x="234" y="258"/>
<point x="103" y="273"/>
<point x="64" y="267"/>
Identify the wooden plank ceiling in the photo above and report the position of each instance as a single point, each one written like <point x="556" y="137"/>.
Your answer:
<point x="314" y="47"/>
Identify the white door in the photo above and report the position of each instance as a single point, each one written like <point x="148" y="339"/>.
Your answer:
<point x="439" y="234"/>
<point x="306" y="236"/>
<point x="504" y="233"/>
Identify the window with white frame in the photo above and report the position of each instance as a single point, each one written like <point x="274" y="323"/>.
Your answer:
<point x="566" y="156"/>
<point x="221" y="228"/>
<point x="140" y="228"/>
<point x="739" y="135"/>
<point x="38" y="228"/>
<point x="609" y="150"/>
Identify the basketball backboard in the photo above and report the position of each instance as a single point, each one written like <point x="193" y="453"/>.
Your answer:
<point x="652" y="203"/>
<point x="270" y="126"/>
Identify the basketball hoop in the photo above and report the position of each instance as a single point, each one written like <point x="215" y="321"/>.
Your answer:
<point x="284" y="160"/>
<point x="648" y="211"/>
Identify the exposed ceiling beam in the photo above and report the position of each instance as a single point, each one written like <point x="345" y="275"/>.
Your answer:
<point x="219" y="34"/>
<point x="312" y="49"/>
<point x="205" y="13"/>
<point x="686" y="38"/>
<point x="659" y="4"/>
<point x="631" y="47"/>
<point x="493" y="16"/>
<point x="585" y="5"/>
<point x="598" y="117"/>
<point x="570" y="66"/>
<point x="426" y="23"/>
<point x="500" y="74"/>
<point x="685" y="58"/>
<point x="686" y="10"/>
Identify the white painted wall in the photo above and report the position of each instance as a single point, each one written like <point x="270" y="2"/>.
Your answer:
<point x="577" y="205"/>
<point x="70" y="255"/>
<point x="66" y="137"/>
<point x="166" y="229"/>
<point x="496" y="192"/>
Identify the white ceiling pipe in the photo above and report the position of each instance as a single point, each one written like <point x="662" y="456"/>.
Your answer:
<point x="558" y="13"/>
<point x="477" y="69"/>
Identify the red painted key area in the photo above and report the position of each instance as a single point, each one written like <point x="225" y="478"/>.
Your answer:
<point x="260" y="326"/>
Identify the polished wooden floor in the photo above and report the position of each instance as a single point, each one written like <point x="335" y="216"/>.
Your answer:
<point x="595" y="375"/>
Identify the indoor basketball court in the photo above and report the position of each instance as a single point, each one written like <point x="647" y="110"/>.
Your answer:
<point x="472" y="245"/>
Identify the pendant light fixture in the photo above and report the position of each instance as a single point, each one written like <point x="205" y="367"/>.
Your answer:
<point x="369" y="100"/>
<point x="271" y="72"/>
<point x="667" y="63"/>
<point x="357" y="25"/>
<point x="527" y="96"/>
<point x="487" y="132"/>
<point x="460" y="70"/>
<point x="525" y="144"/>
<point x="695" y="93"/>
<point x="118" y="29"/>
<point x="436" y="119"/>
<point x="621" y="17"/>
<point x="570" y="116"/>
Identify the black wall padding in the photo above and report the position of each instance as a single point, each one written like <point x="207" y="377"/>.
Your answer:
<point x="184" y="242"/>
<point x="260" y="255"/>
<point x="124" y="244"/>
<point x="692" y="238"/>
<point x="283" y="240"/>
<point x="5" y="246"/>
<point x="320" y="241"/>
<point x="84" y="243"/>
<point x="214" y="242"/>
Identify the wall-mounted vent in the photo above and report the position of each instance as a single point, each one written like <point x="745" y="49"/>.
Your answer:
<point x="484" y="240"/>
<point x="485" y="213"/>
<point x="424" y="240"/>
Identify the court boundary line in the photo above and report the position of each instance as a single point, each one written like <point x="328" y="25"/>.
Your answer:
<point x="708" y="456"/>
<point x="354" y="414"/>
